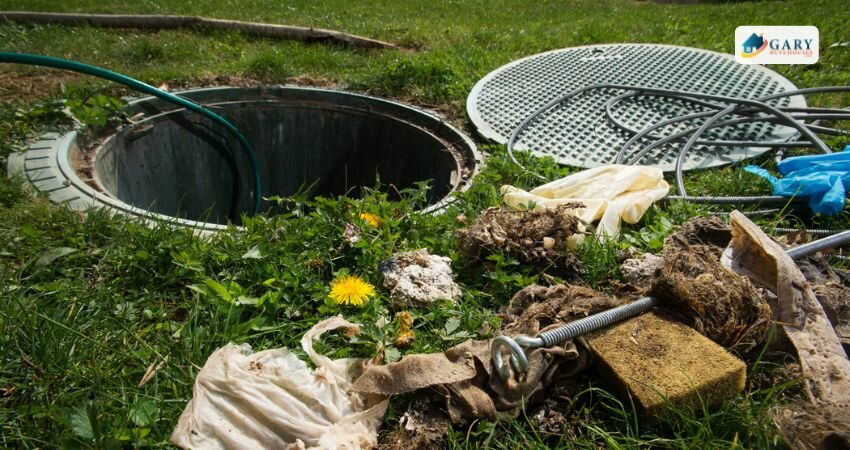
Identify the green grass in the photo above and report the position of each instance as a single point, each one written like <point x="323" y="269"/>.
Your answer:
<point x="90" y="302"/>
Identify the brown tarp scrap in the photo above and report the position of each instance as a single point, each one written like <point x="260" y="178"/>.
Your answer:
<point x="478" y="393"/>
<point x="464" y="374"/>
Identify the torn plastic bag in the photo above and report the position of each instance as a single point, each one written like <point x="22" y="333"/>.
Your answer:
<point x="272" y="399"/>
<point x="824" y="179"/>
<point x="609" y="193"/>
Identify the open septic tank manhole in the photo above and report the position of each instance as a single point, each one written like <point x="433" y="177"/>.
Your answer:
<point x="178" y="165"/>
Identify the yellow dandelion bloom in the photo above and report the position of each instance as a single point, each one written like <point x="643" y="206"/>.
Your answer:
<point x="351" y="290"/>
<point x="371" y="219"/>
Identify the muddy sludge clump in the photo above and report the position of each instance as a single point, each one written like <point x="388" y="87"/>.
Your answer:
<point x="538" y="237"/>
<point x="720" y="304"/>
<point x="535" y="307"/>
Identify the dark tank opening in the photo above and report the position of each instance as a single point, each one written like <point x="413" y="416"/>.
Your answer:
<point x="179" y="164"/>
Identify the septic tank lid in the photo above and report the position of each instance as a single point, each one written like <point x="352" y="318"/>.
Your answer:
<point x="576" y="133"/>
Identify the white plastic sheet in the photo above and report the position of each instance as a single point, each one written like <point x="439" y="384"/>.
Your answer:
<point x="272" y="399"/>
<point x="609" y="194"/>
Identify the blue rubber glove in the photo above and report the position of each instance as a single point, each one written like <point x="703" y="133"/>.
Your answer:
<point x="824" y="179"/>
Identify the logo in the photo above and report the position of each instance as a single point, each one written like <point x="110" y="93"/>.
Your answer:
<point x="754" y="45"/>
<point x="777" y="45"/>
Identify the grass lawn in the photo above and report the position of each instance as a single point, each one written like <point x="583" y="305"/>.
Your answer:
<point x="90" y="303"/>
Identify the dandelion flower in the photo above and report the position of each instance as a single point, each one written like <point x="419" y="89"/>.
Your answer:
<point x="351" y="290"/>
<point x="371" y="219"/>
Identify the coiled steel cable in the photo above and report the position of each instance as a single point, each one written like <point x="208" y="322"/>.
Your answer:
<point x="682" y="134"/>
<point x="790" y="142"/>
<point x="680" y="160"/>
<point x="697" y="98"/>
<point x="697" y="95"/>
<point x="739" y="106"/>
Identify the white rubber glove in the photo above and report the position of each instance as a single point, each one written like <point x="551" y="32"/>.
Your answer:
<point x="610" y="194"/>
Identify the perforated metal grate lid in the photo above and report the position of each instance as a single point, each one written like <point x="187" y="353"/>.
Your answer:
<point x="578" y="133"/>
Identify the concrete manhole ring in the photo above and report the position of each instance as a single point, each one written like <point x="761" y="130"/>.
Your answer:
<point x="175" y="165"/>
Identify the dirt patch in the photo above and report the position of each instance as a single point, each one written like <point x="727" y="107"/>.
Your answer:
<point x="710" y="231"/>
<point x="423" y="426"/>
<point x="315" y="81"/>
<point x="232" y="80"/>
<point x="777" y="374"/>
<point x="33" y="84"/>
<point x="538" y="238"/>
<point x="553" y="416"/>
<point x="720" y="304"/>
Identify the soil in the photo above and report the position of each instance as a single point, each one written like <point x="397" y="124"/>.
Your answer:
<point x="33" y="84"/>
<point x="423" y="426"/>
<point x="554" y="416"/>
<point x="710" y="231"/>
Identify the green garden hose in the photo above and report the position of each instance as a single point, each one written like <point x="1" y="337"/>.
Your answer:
<point x="57" y="63"/>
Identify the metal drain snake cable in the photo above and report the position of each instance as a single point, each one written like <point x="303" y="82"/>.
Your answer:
<point x="684" y="133"/>
<point x="680" y="161"/>
<point x="666" y="92"/>
<point x="796" y="113"/>
<point x="714" y="121"/>
<point x="839" y="238"/>
<point x="839" y="114"/>
<point x="518" y="345"/>
<point x="802" y="92"/>
<point x="57" y="63"/>
<point x="690" y="97"/>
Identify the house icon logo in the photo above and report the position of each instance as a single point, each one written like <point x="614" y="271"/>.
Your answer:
<point x="777" y="44"/>
<point x="754" y="45"/>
